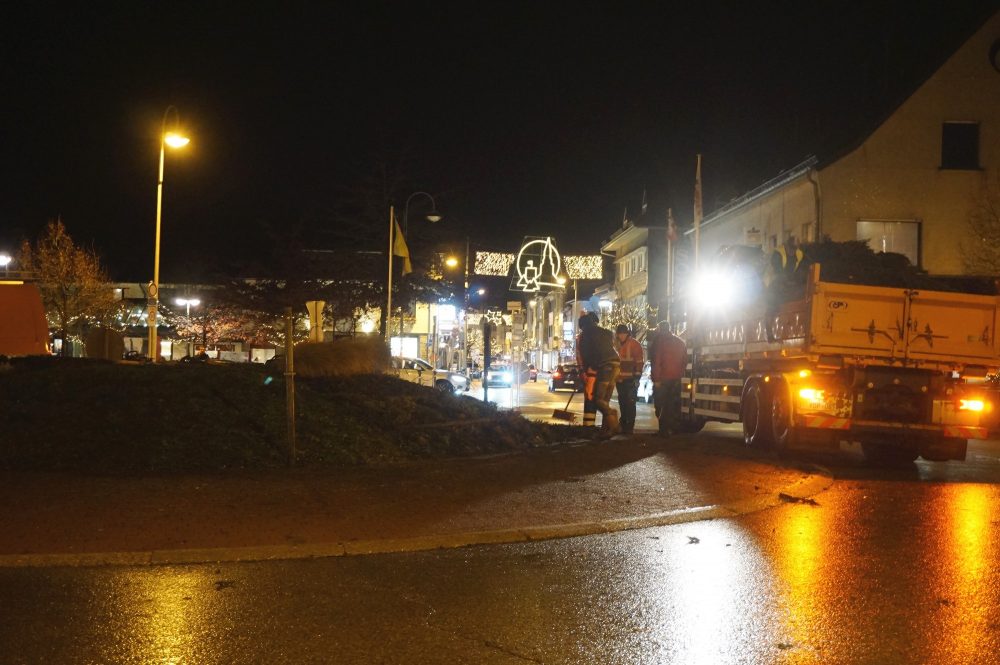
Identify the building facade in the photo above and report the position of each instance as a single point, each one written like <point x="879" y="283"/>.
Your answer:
<point x="909" y="186"/>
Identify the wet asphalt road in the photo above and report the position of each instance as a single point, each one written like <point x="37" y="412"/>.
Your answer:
<point x="888" y="567"/>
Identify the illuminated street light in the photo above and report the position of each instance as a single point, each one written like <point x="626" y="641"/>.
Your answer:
<point x="173" y="140"/>
<point x="451" y="262"/>
<point x="189" y="303"/>
<point x="481" y="292"/>
<point x="5" y="260"/>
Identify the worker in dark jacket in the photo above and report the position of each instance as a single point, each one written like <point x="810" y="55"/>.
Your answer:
<point x="668" y="362"/>
<point x="631" y="358"/>
<point x="597" y="351"/>
<point x="588" y="378"/>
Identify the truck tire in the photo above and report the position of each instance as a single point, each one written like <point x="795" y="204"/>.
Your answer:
<point x="782" y="429"/>
<point x="756" y="416"/>
<point x="888" y="452"/>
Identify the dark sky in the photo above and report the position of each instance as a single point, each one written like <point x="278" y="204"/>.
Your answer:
<point x="523" y="119"/>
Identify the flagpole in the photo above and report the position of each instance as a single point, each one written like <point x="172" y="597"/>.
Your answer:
<point x="388" y="305"/>
<point x="697" y="212"/>
<point x="670" y="265"/>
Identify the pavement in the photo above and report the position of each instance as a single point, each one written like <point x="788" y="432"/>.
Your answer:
<point x="572" y="490"/>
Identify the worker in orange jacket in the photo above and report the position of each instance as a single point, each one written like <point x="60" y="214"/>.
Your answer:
<point x="627" y="385"/>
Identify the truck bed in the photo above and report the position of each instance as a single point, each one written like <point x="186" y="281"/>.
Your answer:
<point x="853" y="323"/>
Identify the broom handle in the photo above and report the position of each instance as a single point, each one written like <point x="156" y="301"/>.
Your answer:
<point x="571" y="396"/>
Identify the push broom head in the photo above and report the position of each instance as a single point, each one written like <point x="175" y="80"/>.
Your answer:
<point x="565" y="414"/>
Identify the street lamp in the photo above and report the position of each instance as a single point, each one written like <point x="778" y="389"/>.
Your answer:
<point x="189" y="303"/>
<point x="432" y="216"/>
<point x="5" y="260"/>
<point x="172" y="140"/>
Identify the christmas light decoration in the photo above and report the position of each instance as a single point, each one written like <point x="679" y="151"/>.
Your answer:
<point x="495" y="264"/>
<point x="584" y="266"/>
<point x="538" y="264"/>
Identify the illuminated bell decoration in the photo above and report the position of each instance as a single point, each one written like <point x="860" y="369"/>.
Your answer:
<point x="538" y="264"/>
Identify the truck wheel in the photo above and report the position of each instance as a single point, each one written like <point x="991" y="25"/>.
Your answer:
<point x="756" y="416"/>
<point x="782" y="432"/>
<point x="888" y="452"/>
<point x="445" y="387"/>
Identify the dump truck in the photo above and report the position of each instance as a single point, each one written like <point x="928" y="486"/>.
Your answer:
<point x="902" y="371"/>
<point x="23" y="328"/>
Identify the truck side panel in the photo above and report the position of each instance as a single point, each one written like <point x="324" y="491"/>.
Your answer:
<point x="949" y="327"/>
<point x="857" y="320"/>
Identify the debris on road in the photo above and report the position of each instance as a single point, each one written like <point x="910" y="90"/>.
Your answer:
<point x="788" y="498"/>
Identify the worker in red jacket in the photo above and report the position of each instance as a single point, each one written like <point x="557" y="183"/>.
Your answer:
<point x="631" y="356"/>
<point x="668" y="362"/>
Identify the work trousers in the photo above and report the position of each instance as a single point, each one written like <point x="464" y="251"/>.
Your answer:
<point x="604" y="387"/>
<point x="667" y="401"/>
<point x="627" y="389"/>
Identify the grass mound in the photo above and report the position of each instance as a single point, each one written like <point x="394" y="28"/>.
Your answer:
<point x="103" y="417"/>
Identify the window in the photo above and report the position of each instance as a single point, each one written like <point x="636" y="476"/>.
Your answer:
<point x="901" y="237"/>
<point x="960" y="145"/>
<point x="807" y="232"/>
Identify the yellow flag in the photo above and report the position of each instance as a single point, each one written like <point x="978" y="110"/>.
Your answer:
<point x="399" y="248"/>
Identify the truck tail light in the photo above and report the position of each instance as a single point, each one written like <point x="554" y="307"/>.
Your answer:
<point x="811" y="394"/>
<point x="971" y="405"/>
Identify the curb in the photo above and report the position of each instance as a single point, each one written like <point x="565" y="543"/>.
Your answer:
<point x="816" y="480"/>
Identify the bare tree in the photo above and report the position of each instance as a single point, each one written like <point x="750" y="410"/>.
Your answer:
<point x="981" y="252"/>
<point x="75" y="288"/>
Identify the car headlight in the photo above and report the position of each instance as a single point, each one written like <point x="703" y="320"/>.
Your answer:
<point x="505" y="377"/>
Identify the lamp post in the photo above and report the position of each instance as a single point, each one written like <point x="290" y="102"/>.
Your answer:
<point x="188" y="304"/>
<point x="172" y="140"/>
<point x="432" y="216"/>
<point x="5" y="260"/>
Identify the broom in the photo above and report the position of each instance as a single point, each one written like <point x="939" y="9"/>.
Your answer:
<point x="565" y="414"/>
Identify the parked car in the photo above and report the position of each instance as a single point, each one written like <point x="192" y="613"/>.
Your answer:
<point x="420" y="371"/>
<point x="565" y="377"/>
<point x="645" y="389"/>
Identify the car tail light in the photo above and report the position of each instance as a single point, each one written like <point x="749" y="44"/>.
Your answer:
<point x="557" y="375"/>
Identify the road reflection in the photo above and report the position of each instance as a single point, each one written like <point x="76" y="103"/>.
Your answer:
<point x="958" y="562"/>
<point x="166" y="612"/>
<point x="704" y="596"/>
<point x="800" y="553"/>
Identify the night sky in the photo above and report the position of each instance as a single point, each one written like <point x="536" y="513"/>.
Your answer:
<point x="522" y="119"/>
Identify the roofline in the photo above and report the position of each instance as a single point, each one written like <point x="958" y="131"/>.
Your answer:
<point x="619" y="233"/>
<point x="760" y="191"/>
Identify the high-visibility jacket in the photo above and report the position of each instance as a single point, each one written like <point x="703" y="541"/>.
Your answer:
<point x="632" y="357"/>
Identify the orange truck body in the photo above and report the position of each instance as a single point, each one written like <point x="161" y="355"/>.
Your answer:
<point x="889" y="367"/>
<point x="23" y="328"/>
